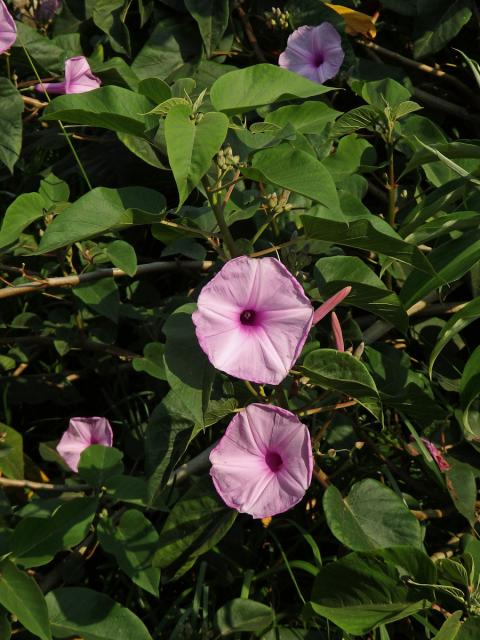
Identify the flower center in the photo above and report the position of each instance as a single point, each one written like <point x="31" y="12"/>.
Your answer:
<point x="273" y="460"/>
<point x="318" y="59"/>
<point x="248" y="317"/>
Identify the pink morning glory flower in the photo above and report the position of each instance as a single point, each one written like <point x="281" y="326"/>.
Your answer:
<point x="263" y="464"/>
<point x="81" y="433"/>
<point x="441" y="463"/>
<point x="314" y="52"/>
<point x="8" y="30"/>
<point x="253" y="319"/>
<point x="78" y="78"/>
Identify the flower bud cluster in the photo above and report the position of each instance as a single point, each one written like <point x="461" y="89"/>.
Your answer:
<point x="277" y="205"/>
<point x="277" y="19"/>
<point x="226" y="159"/>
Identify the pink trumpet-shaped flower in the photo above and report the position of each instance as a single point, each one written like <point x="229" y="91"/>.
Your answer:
<point x="81" y="433"/>
<point x="314" y="52"/>
<point x="78" y="78"/>
<point x="337" y="332"/>
<point x="253" y="319"/>
<point x="263" y="464"/>
<point x="442" y="464"/>
<point x="8" y="30"/>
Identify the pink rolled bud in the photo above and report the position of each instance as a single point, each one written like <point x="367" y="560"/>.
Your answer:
<point x="337" y="332"/>
<point x="330" y="304"/>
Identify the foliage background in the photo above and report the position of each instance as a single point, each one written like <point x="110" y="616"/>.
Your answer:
<point x="382" y="172"/>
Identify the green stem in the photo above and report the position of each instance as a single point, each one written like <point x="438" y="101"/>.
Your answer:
<point x="67" y="137"/>
<point x="216" y="205"/>
<point x="392" y="188"/>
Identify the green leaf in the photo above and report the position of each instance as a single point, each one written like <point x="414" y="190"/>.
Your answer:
<point x="368" y="291"/>
<point x="450" y="628"/>
<point x="155" y="89"/>
<point x="11" y="109"/>
<point x="459" y="321"/>
<point x="109" y="16"/>
<point x="26" y="208"/>
<point x="110" y="107"/>
<point x="197" y="522"/>
<point x="212" y="19"/>
<point x="11" y="452"/>
<point x="36" y="541"/>
<point x="450" y="261"/>
<point x="365" y="117"/>
<point x="45" y="53"/>
<point x="372" y="516"/>
<point x="53" y="190"/>
<point x="443" y="27"/>
<point x="76" y="611"/>
<point x="387" y="91"/>
<point x="361" y="591"/>
<point x="101" y="296"/>
<point x="470" y="629"/>
<point x="241" y="614"/>
<point x="370" y="233"/>
<point x="308" y="117"/>
<point x="259" y="85"/>
<point x="152" y="361"/>
<point x="99" y="463"/>
<point x="20" y="594"/>
<point x="341" y="372"/>
<point x="100" y="210"/>
<point x="469" y="393"/>
<point x="188" y="370"/>
<point x="123" y="256"/>
<point x="191" y="145"/>
<point x="462" y="488"/>
<point x="132" y="541"/>
<point x="296" y="171"/>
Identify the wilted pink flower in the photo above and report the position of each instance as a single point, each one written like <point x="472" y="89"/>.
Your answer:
<point x="442" y="464"/>
<point x="78" y="78"/>
<point x="314" y="52"/>
<point x="45" y="11"/>
<point x="81" y="433"/>
<point x="337" y="332"/>
<point x="253" y="319"/>
<point x="263" y="464"/>
<point x="8" y="30"/>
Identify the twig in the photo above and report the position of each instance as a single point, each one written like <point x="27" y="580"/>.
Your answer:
<point x="195" y="465"/>
<point x="33" y="102"/>
<point x="7" y="483"/>
<point x="80" y="343"/>
<point x="93" y="276"/>
<point x="444" y="105"/>
<point x="329" y="407"/>
<point x="249" y="32"/>
<point x="219" y="217"/>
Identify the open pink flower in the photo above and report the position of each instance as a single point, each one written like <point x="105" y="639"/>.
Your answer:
<point x="253" y="319"/>
<point x="78" y="78"/>
<point x="314" y="52"/>
<point x="8" y="30"/>
<point x="81" y="433"/>
<point x="263" y="464"/>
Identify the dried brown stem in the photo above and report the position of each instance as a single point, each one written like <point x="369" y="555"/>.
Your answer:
<point x="249" y="32"/>
<point x="7" y="483"/>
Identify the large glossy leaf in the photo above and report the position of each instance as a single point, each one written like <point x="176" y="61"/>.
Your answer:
<point x="259" y="85"/>
<point x="25" y="209"/>
<point x="367" y="232"/>
<point x="450" y="628"/>
<point x="35" y="541"/>
<point x="459" y="321"/>
<point x="308" y="117"/>
<point x="361" y="591"/>
<point x="197" y="522"/>
<point x="341" y="372"/>
<point x="242" y="614"/>
<point x="75" y="611"/>
<point x="100" y="210"/>
<point x="109" y="107"/>
<point x="296" y="171"/>
<point x="450" y="260"/>
<point x="372" y="516"/>
<point x="442" y="28"/>
<point x="191" y="145"/>
<point x="132" y="541"/>
<point x="11" y="109"/>
<point x="20" y="594"/>
<point x="98" y="463"/>
<point x="461" y="485"/>
<point x="469" y="394"/>
<point x="212" y="19"/>
<point x="368" y="291"/>
<point x="11" y="452"/>
<point x="109" y="16"/>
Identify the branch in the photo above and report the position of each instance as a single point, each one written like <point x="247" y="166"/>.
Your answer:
<point x="249" y="32"/>
<point x="93" y="276"/>
<point x="81" y="343"/>
<point x="41" y="486"/>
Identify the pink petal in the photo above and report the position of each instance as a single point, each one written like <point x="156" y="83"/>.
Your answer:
<point x="337" y="332"/>
<point x="330" y="304"/>
<point x="301" y="42"/>
<point x="79" y="77"/>
<point x="325" y="38"/>
<point x="437" y="455"/>
<point x="81" y="433"/>
<point x="265" y="350"/>
<point x="241" y="471"/>
<point x="8" y="29"/>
